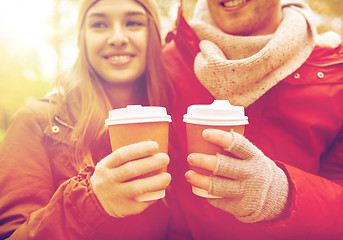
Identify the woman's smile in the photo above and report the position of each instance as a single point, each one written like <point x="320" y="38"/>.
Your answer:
<point x="120" y="60"/>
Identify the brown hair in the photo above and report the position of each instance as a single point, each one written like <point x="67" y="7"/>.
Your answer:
<point x="85" y="99"/>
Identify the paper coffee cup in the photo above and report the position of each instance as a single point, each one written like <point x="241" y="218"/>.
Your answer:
<point x="220" y="115"/>
<point x="136" y="124"/>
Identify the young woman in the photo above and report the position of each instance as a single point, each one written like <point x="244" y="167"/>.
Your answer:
<point x="58" y="177"/>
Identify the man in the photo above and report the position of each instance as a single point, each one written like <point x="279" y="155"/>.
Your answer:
<point x="285" y="179"/>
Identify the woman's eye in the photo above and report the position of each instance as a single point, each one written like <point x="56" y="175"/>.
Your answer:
<point x="98" y="25"/>
<point x="134" y="23"/>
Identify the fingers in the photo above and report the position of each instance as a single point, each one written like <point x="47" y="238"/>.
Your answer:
<point x="233" y="188"/>
<point x="220" y="165"/>
<point x="120" y="199"/>
<point x="220" y="137"/>
<point x="233" y="168"/>
<point x="149" y="184"/>
<point x="137" y="168"/>
<point x="232" y="142"/>
<point x="204" y="161"/>
<point x="130" y="152"/>
<point x="198" y="180"/>
<point x="243" y="148"/>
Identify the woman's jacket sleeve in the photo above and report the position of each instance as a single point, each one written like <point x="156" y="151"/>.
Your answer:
<point x="30" y="206"/>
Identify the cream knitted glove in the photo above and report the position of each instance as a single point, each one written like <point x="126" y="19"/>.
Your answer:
<point x="252" y="186"/>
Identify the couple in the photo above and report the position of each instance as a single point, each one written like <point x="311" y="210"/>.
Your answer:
<point x="59" y="178"/>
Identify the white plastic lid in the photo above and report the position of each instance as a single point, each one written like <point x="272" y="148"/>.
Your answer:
<point x="137" y="114"/>
<point x="219" y="113"/>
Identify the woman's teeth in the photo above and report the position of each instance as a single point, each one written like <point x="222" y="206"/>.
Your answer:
<point x="119" y="58"/>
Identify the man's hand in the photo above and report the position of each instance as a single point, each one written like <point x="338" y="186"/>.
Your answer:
<point x="252" y="186"/>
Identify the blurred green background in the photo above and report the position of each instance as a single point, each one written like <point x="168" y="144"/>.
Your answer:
<point x="38" y="42"/>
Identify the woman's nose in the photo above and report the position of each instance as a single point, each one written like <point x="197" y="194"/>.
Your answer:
<point x="117" y="37"/>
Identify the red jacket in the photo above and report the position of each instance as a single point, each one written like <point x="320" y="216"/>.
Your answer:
<point x="42" y="196"/>
<point x="298" y="124"/>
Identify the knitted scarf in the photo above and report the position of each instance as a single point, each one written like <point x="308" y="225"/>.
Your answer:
<point x="247" y="67"/>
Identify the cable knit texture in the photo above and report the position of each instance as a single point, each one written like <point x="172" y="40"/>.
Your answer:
<point x="241" y="68"/>
<point x="252" y="186"/>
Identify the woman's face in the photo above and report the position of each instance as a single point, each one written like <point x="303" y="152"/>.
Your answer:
<point x="246" y="17"/>
<point x="116" y="34"/>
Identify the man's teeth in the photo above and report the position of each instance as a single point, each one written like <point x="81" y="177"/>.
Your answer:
<point x="234" y="3"/>
<point x="119" y="57"/>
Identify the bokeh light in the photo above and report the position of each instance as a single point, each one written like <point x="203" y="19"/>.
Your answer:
<point x="25" y="21"/>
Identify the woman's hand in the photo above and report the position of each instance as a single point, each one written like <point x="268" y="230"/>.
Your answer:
<point x="115" y="181"/>
<point x="252" y="186"/>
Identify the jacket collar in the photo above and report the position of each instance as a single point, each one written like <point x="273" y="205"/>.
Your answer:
<point x="58" y="126"/>
<point x="325" y="56"/>
<point x="184" y="36"/>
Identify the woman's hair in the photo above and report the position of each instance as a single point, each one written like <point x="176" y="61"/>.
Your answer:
<point x="85" y="100"/>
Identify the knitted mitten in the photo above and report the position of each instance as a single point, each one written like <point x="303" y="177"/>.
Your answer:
<point x="252" y="186"/>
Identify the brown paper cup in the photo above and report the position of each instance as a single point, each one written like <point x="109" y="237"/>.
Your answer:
<point x="125" y="134"/>
<point x="219" y="115"/>
<point x="136" y="124"/>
